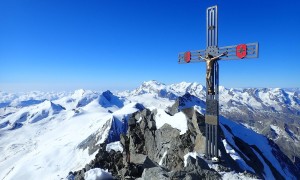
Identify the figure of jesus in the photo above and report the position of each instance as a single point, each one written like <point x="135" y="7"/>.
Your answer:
<point x="210" y="61"/>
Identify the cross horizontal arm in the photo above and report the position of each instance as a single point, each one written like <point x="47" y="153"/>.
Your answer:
<point x="195" y="56"/>
<point x="252" y="51"/>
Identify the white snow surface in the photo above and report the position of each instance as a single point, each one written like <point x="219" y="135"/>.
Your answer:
<point x="234" y="155"/>
<point x="45" y="146"/>
<point x="97" y="174"/>
<point x="177" y="121"/>
<point x="117" y="146"/>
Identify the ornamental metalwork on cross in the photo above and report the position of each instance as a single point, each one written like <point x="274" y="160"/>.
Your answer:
<point x="211" y="55"/>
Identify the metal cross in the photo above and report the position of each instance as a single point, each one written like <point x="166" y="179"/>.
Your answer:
<point x="211" y="55"/>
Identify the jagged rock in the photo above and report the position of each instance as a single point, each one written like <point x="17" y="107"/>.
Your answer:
<point x="200" y="144"/>
<point x="123" y="139"/>
<point x="136" y="140"/>
<point x="79" y="175"/>
<point x="193" y="172"/>
<point x="131" y="171"/>
<point x="105" y="160"/>
<point x="196" y="127"/>
<point x="154" y="112"/>
<point x="142" y="159"/>
<point x="145" y="113"/>
<point x="192" y="164"/>
<point x="179" y="146"/>
<point x="173" y="161"/>
<point x="155" y="173"/>
<point x="87" y="167"/>
<point x="152" y="125"/>
<point x="199" y="169"/>
<point x="174" y="108"/>
<point x="177" y="174"/>
<point x="163" y="137"/>
<point x="131" y="121"/>
<point x="138" y="116"/>
<point x="144" y="147"/>
<point x="143" y="125"/>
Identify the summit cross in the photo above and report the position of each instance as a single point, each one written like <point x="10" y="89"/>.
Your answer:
<point x="211" y="55"/>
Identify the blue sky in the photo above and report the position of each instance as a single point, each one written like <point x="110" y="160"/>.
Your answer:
<point x="106" y="44"/>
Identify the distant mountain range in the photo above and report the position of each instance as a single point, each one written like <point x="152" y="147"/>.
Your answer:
<point x="50" y="134"/>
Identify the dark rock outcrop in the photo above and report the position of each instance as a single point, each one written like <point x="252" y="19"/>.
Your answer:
<point x="157" y="153"/>
<point x="194" y="170"/>
<point x="113" y="161"/>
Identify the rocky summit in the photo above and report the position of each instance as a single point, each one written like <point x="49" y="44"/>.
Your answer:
<point x="152" y="153"/>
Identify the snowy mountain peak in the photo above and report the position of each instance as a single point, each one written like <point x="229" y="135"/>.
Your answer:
<point x="108" y="99"/>
<point x="152" y="83"/>
<point x="222" y="88"/>
<point x="30" y="114"/>
<point x="169" y="91"/>
<point x="46" y="105"/>
<point x="150" y="87"/>
<point x="277" y="90"/>
<point x="78" y="93"/>
<point x="147" y="87"/>
<point x="192" y="88"/>
<point x="108" y="95"/>
<point x="56" y="107"/>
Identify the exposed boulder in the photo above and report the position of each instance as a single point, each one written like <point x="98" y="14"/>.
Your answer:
<point x="156" y="173"/>
<point x="194" y="170"/>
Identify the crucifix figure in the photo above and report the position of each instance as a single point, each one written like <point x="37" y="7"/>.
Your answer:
<point x="211" y="55"/>
<point x="210" y="62"/>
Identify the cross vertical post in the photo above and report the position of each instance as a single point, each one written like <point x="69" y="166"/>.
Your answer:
<point x="212" y="84"/>
<point x="211" y="55"/>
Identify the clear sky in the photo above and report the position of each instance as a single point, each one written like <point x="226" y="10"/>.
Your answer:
<point x="118" y="44"/>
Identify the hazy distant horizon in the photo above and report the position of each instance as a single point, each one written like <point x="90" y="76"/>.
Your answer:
<point x="104" y="88"/>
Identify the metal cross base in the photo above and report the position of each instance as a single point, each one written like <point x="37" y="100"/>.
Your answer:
<point x="211" y="132"/>
<point x="211" y="55"/>
<point x="212" y="116"/>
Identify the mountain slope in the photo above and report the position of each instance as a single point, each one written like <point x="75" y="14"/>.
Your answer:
<point x="47" y="142"/>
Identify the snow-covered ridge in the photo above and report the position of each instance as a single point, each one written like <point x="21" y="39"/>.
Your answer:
<point x="167" y="91"/>
<point x="31" y="114"/>
<point x="273" y="99"/>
